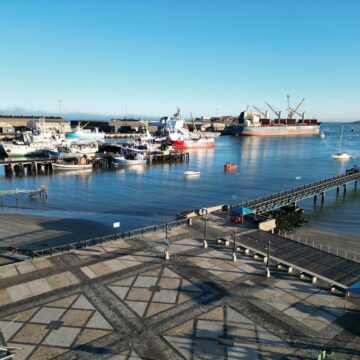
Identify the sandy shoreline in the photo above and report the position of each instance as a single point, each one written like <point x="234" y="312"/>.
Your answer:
<point x="349" y="243"/>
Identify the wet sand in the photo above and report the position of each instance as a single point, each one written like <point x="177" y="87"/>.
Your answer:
<point x="37" y="232"/>
<point x="348" y="243"/>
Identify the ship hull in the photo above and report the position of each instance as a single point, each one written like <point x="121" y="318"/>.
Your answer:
<point x="193" y="144"/>
<point x="279" y="130"/>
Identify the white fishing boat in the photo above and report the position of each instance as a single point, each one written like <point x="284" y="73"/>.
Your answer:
<point x="122" y="161"/>
<point x="75" y="150"/>
<point x="341" y="155"/>
<point x="68" y="166"/>
<point x="191" y="173"/>
<point x="79" y="164"/>
<point x="27" y="144"/>
<point x="81" y="134"/>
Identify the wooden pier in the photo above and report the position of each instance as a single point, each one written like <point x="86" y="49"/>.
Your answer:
<point x="21" y="167"/>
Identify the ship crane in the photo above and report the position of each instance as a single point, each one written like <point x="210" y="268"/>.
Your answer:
<point x="292" y="111"/>
<point x="264" y="114"/>
<point x="302" y="115"/>
<point x="277" y="113"/>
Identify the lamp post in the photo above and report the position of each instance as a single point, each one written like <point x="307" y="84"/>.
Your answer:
<point x="166" y="243"/>
<point x="203" y="212"/>
<point x="268" y="274"/>
<point x="234" y="247"/>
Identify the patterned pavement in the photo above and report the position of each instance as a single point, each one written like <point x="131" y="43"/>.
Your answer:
<point x="122" y="300"/>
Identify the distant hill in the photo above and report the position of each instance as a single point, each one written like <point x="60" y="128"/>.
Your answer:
<point x="75" y="115"/>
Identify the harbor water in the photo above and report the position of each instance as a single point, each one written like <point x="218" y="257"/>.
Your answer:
<point x="143" y="195"/>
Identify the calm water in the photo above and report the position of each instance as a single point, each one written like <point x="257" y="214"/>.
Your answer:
<point x="142" y="196"/>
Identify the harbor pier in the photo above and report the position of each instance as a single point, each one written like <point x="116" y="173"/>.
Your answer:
<point x="21" y="167"/>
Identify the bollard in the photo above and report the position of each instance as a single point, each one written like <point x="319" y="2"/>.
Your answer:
<point x="290" y="269"/>
<point x="247" y="251"/>
<point x="265" y="259"/>
<point x="205" y="244"/>
<point x="234" y="256"/>
<point x="314" y="280"/>
<point x="303" y="276"/>
<point x="268" y="274"/>
<point x="166" y="254"/>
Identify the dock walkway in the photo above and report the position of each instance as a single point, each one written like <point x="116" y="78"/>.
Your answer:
<point x="292" y="196"/>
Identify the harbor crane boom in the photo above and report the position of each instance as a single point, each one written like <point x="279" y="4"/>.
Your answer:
<point x="277" y="113"/>
<point x="302" y="115"/>
<point x="264" y="114"/>
<point x="292" y="111"/>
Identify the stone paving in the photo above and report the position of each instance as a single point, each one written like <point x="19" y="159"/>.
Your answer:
<point x="122" y="300"/>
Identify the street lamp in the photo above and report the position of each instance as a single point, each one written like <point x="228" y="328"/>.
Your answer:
<point x="166" y="243"/>
<point x="268" y="274"/>
<point x="203" y="212"/>
<point x="234" y="247"/>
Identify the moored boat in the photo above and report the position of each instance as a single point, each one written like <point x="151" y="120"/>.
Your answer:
<point x="181" y="138"/>
<point x="191" y="173"/>
<point x="80" y="134"/>
<point x="62" y="165"/>
<point x="341" y="155"/>
<point x="122" y="161"/>
<point x="230" y="167"/>
<point x="193" y="143"/>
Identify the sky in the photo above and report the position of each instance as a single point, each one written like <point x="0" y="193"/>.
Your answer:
<point x="206" y="57"/>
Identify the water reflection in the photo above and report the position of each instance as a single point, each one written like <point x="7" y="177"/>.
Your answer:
<point x="80" y="173"/>
<point x="138" y="169"/>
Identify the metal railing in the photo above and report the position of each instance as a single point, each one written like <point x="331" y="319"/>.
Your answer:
<point x="98" y="240"/>
<point x="287" y="197"/>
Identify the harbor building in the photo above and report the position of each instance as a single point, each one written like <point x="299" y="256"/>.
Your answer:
<point x="33" y="122"/>
<point x="101" y="125"/>
<point x="132" y="125"/>
<point x="6" y="128"/>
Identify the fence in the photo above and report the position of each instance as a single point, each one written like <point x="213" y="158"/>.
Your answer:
<point x="101" y="239"/>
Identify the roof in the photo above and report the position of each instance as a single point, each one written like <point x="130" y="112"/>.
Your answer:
<point x="5" y="124"/>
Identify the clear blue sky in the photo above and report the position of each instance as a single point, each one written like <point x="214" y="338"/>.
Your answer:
<point x="203" y="56"/>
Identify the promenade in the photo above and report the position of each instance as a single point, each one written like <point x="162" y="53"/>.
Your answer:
<point x="122" y="300"/>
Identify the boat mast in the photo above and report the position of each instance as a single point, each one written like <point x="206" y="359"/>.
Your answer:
<point x="341" y="135"/>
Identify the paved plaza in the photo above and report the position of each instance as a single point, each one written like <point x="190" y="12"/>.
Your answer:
<point x="123" y="300"/>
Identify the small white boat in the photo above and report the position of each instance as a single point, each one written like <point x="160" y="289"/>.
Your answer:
<point x="122" y="161"/>
<point x="191" y="173"/>
<point x="62" y="165"/>
<point x="341" y="155"/>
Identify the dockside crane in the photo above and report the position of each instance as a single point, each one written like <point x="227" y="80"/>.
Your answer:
<point x="302" y="115"/>
<point x="264" y="114"/>
<point x="193" y="122"/>
<point x="292" y="111"/>
<point x="277" y="113"/>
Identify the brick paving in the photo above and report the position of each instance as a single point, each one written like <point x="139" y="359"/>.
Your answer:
<point x="122" y="300"/>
